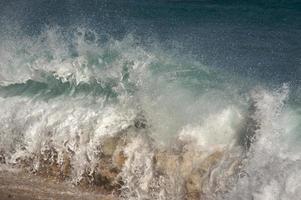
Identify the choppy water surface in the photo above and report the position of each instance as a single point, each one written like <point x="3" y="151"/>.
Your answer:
<point x="154" y="100"/>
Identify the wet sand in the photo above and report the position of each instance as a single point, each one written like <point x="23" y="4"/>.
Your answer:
<point x="23" y="186"/>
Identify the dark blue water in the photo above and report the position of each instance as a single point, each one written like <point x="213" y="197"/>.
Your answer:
<point x="260" y="39"/>
<point x="218" y="76"/>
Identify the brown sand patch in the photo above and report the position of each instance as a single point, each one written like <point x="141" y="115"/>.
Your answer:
<point x="23" y="186"/>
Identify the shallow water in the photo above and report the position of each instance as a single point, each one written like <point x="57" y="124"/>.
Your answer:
<point x="19" y="185"/>
<point x="154" y="100"/>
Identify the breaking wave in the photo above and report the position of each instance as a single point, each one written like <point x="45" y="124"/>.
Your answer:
<point x="143" y="123"/>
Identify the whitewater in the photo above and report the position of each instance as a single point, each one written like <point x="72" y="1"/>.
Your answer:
<point x="136" y="119"/>
<point x="84" y="102"/>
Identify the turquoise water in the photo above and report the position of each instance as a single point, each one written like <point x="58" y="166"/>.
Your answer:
<point x="219" y="73"/>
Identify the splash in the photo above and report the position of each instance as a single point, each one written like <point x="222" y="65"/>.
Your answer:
<point x="272" y="165"/>
<point x="142" y="123"/>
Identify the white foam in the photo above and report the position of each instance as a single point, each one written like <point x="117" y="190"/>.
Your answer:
<point x="272" y="166"/>
<point x="218" y="129"/>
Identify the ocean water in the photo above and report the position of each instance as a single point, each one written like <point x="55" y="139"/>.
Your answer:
<point x="218" y="75"/>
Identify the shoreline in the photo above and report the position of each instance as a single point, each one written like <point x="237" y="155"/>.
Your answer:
<point x="18" y="185"/>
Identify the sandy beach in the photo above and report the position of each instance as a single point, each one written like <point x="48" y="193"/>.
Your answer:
<point x="22" y="186"/>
